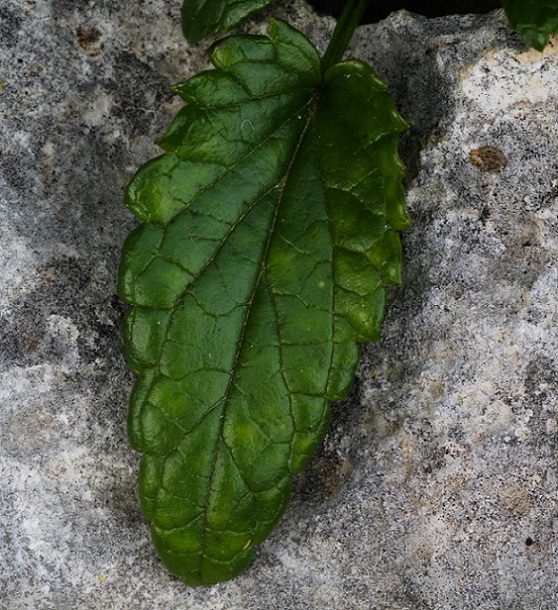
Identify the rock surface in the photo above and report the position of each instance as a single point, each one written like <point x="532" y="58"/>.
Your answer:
<point x="436" y="487"/>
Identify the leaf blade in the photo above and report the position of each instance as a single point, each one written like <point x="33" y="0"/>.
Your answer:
<point x="247" y="301"/>
<point x="201" y="18"/>
<point x="535" y="20"/>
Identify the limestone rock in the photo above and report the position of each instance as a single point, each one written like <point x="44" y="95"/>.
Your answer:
<point x="436" y="487"/>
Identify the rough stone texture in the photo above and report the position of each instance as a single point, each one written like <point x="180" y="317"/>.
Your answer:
<point x="436" y="487"/>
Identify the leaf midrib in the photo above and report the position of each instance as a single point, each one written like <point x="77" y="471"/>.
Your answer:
<point x="281" y="186"/>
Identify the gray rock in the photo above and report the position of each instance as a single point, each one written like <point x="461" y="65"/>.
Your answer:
<point x="436" y="487"/>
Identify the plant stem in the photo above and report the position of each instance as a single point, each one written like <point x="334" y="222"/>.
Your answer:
<point x="344" y="30"/>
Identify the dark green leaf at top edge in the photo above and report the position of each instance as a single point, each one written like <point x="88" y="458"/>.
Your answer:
<point x="269" y="231"/>
<point x="201" y="18"/>
<point x="535" y="20"/>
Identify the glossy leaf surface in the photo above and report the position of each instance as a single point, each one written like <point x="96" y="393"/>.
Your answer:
<point x="268" y="234"/>
<point x="201" y="18"/>
<point x="536" y="20"/>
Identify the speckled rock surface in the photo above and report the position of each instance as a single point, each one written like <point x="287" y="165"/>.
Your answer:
<point x="436" y="487"/>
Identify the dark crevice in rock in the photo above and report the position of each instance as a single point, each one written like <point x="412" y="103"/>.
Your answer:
<point x="376" y="10"/>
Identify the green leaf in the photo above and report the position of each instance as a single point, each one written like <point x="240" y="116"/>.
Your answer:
<point x="201" y="18"/>
<point x="269" y="232"/>
<point x="536" y="20"/>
